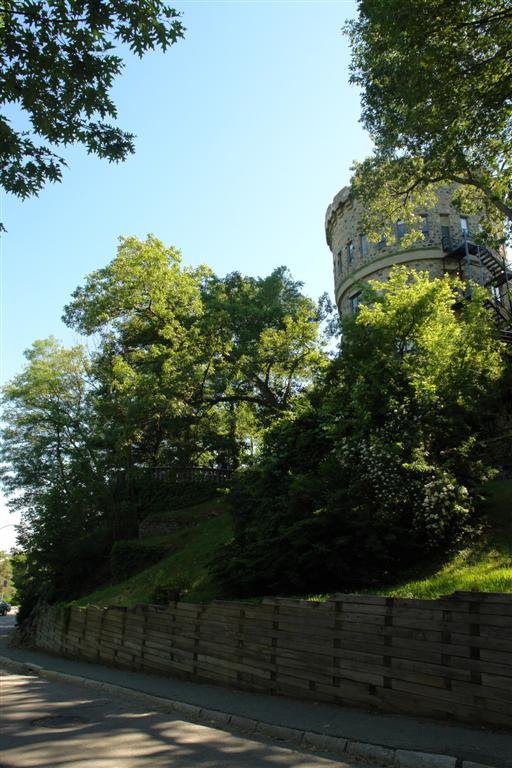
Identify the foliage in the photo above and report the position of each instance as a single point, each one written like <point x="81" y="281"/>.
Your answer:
<point x="59" y="61"/>
<point x="484" y="565"/>
<point x="436" y="99"/>
<point x="6" y="574"/>
<point x="131" y="555"/>
<point x="187" y="369"/>
<point x="53" y="469"/>
<point x="169" y="590"/>
<point x="270" y="336"/>
<point x="186" y="567"/>
<point x="162" y="497"/>
<point x="379" y="471"/>
<point x="192" y="366"/>
<point x="26" y="585"/>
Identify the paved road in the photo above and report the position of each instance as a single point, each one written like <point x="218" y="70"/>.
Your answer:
<point x="51" y="725"/>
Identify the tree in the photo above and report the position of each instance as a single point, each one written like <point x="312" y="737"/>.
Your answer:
<point x="6" y="591"/>
<point x="436" y="83"/>
<point x="53" y="469"/>
<point x="377" y="468"/>
<point x="191" y="365"/>
<point x="145" y="309"/>
<point x="58" y="63"/>
<point x="273" y="347"/>
<point x="187" y="368"/>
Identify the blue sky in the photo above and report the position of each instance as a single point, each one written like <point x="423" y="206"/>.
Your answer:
<point x="246" y="130"/>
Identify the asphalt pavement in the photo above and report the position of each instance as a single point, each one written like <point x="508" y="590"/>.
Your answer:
<point x="403" y="741"/>
<point x="46" y="724"/>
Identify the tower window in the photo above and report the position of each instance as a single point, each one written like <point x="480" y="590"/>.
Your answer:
<point x="350" y="252"/>
<point x="446" y="235"/>
<point x="355" y="302"/>
<point x="401" y="229"/>
<point x="425" y="231"/>
<point x="464" y="225"/>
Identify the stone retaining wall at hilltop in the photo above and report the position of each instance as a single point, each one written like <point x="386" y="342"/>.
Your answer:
<point x="447" y="658"/>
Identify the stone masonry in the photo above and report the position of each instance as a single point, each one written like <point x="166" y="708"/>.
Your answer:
<point x="356" y="260"/>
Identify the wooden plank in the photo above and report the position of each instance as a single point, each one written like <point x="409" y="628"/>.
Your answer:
<point x="462" y="627"/>
<point x="399" y="643"/>
<point x="441" y="695"/>
<point x="369" y="620"/>
<point x="485" y="691"/>
<point x="211" y="676"/>
<point x="348" y="692"/>
<point x="498" y="657"/>
<point x="115" y="637"/>
<point x="355" y="598"/>
<point x="407" y="702"/>
<point x="289" y="639"/>
<point x="303" y="629"/>
<point x="372" y="609"/>
<point x="203" y="660"/>
<point x="313" y="660"/>
<point x="486" y="609"/>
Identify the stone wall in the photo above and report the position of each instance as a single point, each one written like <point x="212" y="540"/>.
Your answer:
<point x="446" y="658"/>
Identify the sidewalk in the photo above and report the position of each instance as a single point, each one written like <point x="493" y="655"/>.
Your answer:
<point x="322" y="727"/>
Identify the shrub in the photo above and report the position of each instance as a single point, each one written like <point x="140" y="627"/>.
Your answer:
<point x="379" y="472"/>
<point x="169" y="590"/>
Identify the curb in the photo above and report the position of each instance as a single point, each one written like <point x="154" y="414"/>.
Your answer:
<point x="384" y="757"/>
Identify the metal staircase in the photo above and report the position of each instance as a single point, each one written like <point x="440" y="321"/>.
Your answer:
<point x="495" y="275"/>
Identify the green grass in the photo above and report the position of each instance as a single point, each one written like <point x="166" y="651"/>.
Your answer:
<point x="485" y="566"/>
<point x="193" y="547"/>
<point x="487" y="571"/>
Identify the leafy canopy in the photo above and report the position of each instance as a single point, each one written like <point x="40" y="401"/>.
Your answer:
<point x="375" y="471"/>
<point x="58" y="61"/>
<point x="188" y="361"/>
<point x="187" y="368"/>
<point x="436" y="82"/>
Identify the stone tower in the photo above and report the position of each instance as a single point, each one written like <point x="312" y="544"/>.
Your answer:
<point x="445" y="245"/>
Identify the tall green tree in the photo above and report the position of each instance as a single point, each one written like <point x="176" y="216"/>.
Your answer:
<point x="59" y="60"/>
<point x="186" y="368"/>
<point x="193" y="366"/>
<point x="436" y="82"/>
<point x="6" y="591"/>
<point x="273" y="346"/>
<point x="376" y="470"/>
<point x="144" y="309"/>
<point x="53" y="468"/>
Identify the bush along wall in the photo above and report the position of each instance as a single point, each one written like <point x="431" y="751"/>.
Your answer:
<point x="446" y="658"/>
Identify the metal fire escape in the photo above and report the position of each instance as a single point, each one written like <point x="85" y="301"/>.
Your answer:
<point x="493" y="273"/>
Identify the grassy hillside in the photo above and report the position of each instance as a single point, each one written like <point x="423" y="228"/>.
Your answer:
<point x="486" y="565"/>
<point x="206" y="527"/>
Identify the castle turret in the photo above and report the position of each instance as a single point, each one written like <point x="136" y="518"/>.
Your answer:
<point x="445" y="244"/>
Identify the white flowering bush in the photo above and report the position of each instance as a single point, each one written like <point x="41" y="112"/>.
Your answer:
<point x="377" y="464"/>
<point x="446" y="506"/>
<point x="398" y="484"/>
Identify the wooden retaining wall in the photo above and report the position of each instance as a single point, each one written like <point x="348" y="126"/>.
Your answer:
<point x="446" y="658"/>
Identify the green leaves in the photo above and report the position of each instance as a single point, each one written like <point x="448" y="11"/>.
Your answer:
<point x="187" y="369"/>
<point x="376" y="470"/>
<point x="57" y="65"/>
<point x="436" y="98"/>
